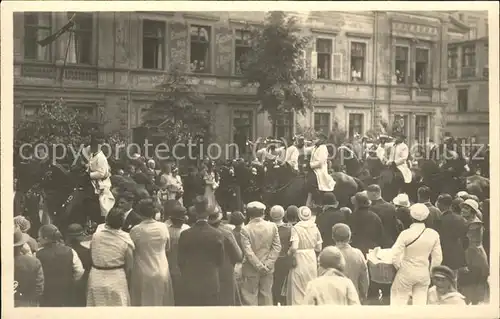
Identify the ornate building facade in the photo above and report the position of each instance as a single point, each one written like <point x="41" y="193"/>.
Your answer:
<point x="368" y="67"/>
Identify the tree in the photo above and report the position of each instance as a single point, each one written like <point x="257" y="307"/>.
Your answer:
<point x="179" y="113"/>
<point x="276" y="64"/>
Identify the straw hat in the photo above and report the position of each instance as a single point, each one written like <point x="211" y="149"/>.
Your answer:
<point x="277" y="212"/>
<point x="23" y="224"/>
<point x="401" y="200"/>
<point x="474" y="205"/>
<point x="305" y="213"/>
<point x="20" y="238"/>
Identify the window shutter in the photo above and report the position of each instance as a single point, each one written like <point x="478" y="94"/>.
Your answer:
<point x="337" y="66"/>
<point x="314" y="64"/>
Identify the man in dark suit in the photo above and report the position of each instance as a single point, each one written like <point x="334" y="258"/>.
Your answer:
<point x="200" y="258"/>
<point x="452" y="233"/>
<point x="387" y="213"/>
<point x="424" y="197"/>
<point x="330" y="216"/>
<point x="126" y="204"/>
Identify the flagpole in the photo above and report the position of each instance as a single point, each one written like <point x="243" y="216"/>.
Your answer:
<point x="67" y="49"/>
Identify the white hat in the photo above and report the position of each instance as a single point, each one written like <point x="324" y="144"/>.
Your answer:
<point x="462" y="194"/>
<point x="257" y="205"/>
<point x="305" y="213"/>
<point x="419" y="212"/>
<point x="401" y="200"/>
<point x="474" y="205"/>
<point x="277" y="212"/>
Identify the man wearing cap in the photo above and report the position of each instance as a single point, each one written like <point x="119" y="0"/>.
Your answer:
<point x="410" y="257"/>
<point x="320" y="181"/>
<point x="261" y="247"/>
<point x="28" y="274"/>
<point x="452" y="233"/>
<point x="200" y="258"/>
<point x="367" y="228"/>
<point x="356" y="268"/>
<point x="100" y="173"/>
<point x="444" y="288"/>
<point x="398" y="159"/>
<point x="330" y="216"/>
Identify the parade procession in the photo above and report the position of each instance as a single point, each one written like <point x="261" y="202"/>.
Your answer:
<point x="345" y="176"/>
<point x="289" y="226"/>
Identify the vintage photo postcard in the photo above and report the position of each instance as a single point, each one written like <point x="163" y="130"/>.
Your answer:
<point x="243" y="158"/>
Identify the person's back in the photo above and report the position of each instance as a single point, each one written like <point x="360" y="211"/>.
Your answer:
<point x="57" y="263"/>
<point x="28" y="274"/>
<point x="331" y="290"/>
<point x="387" y="213"/>
<point x="434" y="218"/>
<point x="367" y="230"/>
<point x="150" y="239"/>
<point x="355" y="268"/>
<point x="416" y="255"/>
<point x="200" y="255"/>
<point x="326" y="220"/>
<point x="452" y="233"/>
<point x="261" y="234"/>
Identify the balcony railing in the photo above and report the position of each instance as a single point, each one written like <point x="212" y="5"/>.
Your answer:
<point x="38" y="71"/>
<point x="468" y="72"/>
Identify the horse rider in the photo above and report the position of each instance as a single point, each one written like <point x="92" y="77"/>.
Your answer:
<point x="294" y="153"/>
<point x="398" y="159"/>
<point x="382" y="148"/>
<point x="100" y="173"/>
<point x="270" y="152"/>
<point x="320" y="181"/>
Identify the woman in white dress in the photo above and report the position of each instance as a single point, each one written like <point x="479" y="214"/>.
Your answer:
<point x="211" y="180"/>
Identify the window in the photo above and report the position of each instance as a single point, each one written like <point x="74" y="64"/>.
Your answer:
<point x="200" y="49"/>
<point x="421" y="66"/>
<point x="421" y="129"/>
<point x="243" y="124"/>
<point x="401" y="64"/>
<point x="153" y="41"/>
<point x="469" y="61"/>
<point x="37" y="26"/>
<point x="242" y="47"/>
<point x="80" y="47"/>
<point x="355" y="124"/>
<point x="472" y="33"/>
<point x="452" y="62"/>
<point x="358" y="53"/>
<point x="322" y="122"/>
<point x="324" y="58"/>
<point x="462" y="100"/>
<point x="283" y="126"/>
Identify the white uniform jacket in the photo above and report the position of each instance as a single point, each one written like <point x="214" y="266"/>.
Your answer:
<point x="319" y="163"/>
<point x="399" y="155"/>
<point x="100" y="173"/>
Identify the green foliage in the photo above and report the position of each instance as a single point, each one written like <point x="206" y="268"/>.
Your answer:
<point x="179" y="112"/>
<point x="275" y="64"/>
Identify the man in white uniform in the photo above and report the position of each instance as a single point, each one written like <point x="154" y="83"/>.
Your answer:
<point x="320" y="181"/>
<point x="294" y="152"/>
<point x="100" y="173"/>
<point x="382" y="149"/>
<point x="399" y="159"/>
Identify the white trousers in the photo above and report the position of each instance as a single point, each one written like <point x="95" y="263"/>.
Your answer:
<point x="402" y="289"/>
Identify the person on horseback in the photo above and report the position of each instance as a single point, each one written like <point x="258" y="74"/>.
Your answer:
<point x="99" y="171"/>
<point x="270" y="152"/>
<point x="398" y="160"/>
<point x="320" y="181"/>
<point x="294" y="152"/>
<point x="382" y="148"/>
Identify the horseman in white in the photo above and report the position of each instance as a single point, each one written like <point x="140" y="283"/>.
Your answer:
<point x="294" y="152"/>
<point x="100" y="173"/>
<point x="319" y="181"/>
<point x="271" y="152"/>
<point x="382" y="148"/>
<point x="399" y="158"/>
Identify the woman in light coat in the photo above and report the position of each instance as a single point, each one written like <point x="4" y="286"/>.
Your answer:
<point x="305" y="243"/>
<point x="410" y="257"/>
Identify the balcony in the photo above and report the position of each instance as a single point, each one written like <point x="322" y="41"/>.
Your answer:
<point x="468" y="72"/>
<point x="38" y="71"/>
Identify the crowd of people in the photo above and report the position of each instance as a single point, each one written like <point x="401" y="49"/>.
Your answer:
<point x="260" y="256"/>
<point x="170" y="244"/>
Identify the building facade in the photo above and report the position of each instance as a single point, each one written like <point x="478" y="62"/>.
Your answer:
<point x="369" y="67"/>
<point x="468" y="74"/>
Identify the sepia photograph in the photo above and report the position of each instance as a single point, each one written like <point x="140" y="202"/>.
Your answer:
<point x="252" y="157"/>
